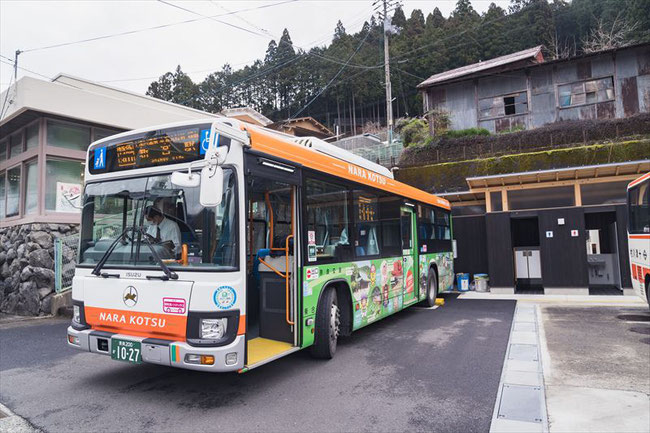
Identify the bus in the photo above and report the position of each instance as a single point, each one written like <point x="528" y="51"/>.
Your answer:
<point x="221" y="246"/>
<point x="638" y="234"/>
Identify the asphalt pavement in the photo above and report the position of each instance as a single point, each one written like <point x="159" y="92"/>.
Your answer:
<point x="420" y="370"/>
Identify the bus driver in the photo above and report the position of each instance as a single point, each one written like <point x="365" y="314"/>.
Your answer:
<point x="163" y="229"/>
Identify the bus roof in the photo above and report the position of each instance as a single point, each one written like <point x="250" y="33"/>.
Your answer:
<point x="639" y="180"/>
<point x="269" y="142"/>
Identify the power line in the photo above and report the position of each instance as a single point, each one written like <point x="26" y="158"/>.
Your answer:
<point x="358" y="18"/>
<point x="211" y="18"/>
<point x="144" y="29"/>
<point x="333" y="78"/>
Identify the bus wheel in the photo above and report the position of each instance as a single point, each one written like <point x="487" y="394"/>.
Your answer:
<point x="432" y="289"/>
<point x="328" y="322"/>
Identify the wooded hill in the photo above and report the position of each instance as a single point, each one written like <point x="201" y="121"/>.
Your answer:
<point x="343" y="83"/>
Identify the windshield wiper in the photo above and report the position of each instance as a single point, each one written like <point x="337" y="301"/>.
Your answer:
<point x="102" y="261"/>
<point x="169" y="274"/>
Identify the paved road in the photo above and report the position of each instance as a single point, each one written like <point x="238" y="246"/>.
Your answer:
<point x="421" y="370"/>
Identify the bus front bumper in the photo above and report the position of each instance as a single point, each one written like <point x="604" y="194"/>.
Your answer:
<point x="163" y="352"/>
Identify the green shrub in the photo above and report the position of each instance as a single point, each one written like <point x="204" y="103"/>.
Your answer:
<point x="414" y="131"/>
<point x="466" y="132"/>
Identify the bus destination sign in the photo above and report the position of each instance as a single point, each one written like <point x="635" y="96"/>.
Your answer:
<point x="169" y="146"/>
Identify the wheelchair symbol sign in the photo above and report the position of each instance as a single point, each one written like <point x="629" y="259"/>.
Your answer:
<point x="205" y="140"/>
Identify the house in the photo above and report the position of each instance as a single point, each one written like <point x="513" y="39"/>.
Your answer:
<point x="247" y="114"/>
<point x="303" y="127"/>
<point x="524" y="91"/>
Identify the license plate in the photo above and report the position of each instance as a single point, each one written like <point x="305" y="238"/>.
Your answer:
<point x="125" y="350"/>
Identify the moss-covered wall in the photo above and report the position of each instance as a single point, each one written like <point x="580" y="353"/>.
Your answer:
<point x="450" y="176"/>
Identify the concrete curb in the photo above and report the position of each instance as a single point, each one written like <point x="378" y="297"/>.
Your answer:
<point x="12" y="423"/>
<point x="521" y="401"/>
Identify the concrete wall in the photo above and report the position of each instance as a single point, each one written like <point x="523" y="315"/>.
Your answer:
<point x="629" y="69"/>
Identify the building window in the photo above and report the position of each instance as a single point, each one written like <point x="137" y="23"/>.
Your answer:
<point x="31" y="136"/>
<point x="541" y="198"/>
<point x="13" y="191"/>
<point x="15" y="145"/>
<point x="100" y="133"/>
<point x="2" y="195"/>
<point x="603" y="193"/>
<point x="74" y="137"/>
<point x="505" y="105"/>
<point x="3" y="150"/>
<point x="468" y="210"/>
<point x="496" y="203"/>
<point x="586" y="92"/>
<point x="63" y="185"/>
<point x="31" y="187"/>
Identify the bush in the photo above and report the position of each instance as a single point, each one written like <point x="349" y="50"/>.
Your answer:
<point x="413" y="131"/>
<point x="466" y="132"/>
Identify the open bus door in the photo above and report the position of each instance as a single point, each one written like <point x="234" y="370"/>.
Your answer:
<point x="272" y="258"/>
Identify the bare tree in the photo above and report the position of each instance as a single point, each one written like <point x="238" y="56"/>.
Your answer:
<point x="605" y="37"/>
<point x="558" y="48"/>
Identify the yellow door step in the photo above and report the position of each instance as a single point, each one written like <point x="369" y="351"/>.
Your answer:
<point x="260" y="349"/>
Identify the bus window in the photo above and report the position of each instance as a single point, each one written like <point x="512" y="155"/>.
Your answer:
<point x="443" y="226"/>
<point x="127" y="209"/>
<point x="327" y="218"/>
<point x="366" y="223"/>
<point x="639" y="210"/>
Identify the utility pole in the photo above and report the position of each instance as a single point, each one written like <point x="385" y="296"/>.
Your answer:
<point x="388" y="5"/>
<point x="18" y="52"/>
<point x="389" y="92"/>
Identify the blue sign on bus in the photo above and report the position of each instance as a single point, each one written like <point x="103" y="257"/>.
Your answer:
<point x="100" y="158"/>
<point x="205" y="140"/>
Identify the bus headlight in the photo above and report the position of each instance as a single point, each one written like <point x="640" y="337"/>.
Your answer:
<point x="76" y="314"/>
<point x="213" y="329"/>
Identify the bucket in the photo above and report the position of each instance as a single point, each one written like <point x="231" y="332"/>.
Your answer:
<point x="481" y="282"/>
<point x="462" y="281"/>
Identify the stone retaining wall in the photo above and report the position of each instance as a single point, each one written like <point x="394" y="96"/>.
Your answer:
<point x="27" y="266"/>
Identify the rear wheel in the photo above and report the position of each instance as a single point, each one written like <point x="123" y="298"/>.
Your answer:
<point x="432" y="289"/>
<point x="328" y="324"/>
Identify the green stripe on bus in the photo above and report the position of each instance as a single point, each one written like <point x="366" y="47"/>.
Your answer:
<point x="173" y="349"/>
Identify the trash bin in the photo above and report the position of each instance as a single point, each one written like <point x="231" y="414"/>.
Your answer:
<point x="462" y="281"/>
<point x="481" y="282"/>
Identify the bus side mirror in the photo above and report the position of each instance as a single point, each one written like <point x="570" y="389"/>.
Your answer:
<point x="211" y="186"/>
<point x="186" y="180"/>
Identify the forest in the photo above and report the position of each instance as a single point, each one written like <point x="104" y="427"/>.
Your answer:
<point x="342" y="83"/>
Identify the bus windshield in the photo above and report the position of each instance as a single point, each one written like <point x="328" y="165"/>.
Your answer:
<point x="151" y="210"/>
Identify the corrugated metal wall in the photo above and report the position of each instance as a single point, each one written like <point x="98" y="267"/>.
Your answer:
<point x="629" y="70"/>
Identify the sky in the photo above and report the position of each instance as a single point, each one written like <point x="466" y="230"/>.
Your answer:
<point x="134" y="60"/>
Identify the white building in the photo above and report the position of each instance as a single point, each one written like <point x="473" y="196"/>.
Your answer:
<point x="45" y="130"/>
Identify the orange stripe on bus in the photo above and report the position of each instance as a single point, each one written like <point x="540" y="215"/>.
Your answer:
<point x="640" y="236"/>
<point x="271" y="144"/>
<point x="137" y="323"/>
<point x="241" y="330"/>
<point x="639" y="180"/>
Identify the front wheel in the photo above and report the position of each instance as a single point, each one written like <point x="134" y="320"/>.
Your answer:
<point x="328" y="323"/>
<point x="432" y="289"/>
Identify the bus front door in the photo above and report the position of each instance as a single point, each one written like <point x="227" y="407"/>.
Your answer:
<point x="271" y="227"/>
<point x="409" y="255"/>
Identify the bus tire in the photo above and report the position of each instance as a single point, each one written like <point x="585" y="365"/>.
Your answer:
<point x="647" y="291"/>
<point x="327" y="329"/>
<point x="432" y="288"/>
